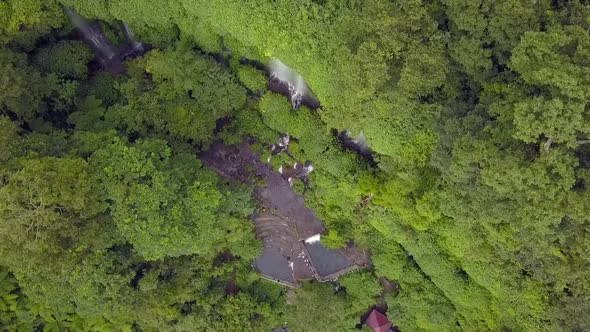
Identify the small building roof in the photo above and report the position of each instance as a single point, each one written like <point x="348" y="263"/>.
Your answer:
<point x="378" y="321"/>
<point x="328" y="263"/>
<point x="275" y="267"/>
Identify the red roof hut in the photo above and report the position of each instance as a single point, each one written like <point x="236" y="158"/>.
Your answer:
<point x="378" y="321"/>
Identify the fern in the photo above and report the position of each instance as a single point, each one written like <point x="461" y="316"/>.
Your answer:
<point x="8" y="286"/>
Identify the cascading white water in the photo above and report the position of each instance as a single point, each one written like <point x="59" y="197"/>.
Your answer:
<point x="297" y="86"/>
<point x="95" y="37"/>
<point x="362" y="143"/>
<point x="358" y="143"/>
<point x="135" y="45"/>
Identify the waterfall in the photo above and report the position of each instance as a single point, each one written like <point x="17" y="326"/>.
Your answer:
<point x="281" y="72"/>
<point x="297" y="88"/>
<point x="135" y="45"/>
<point x="110" y="58"/>
<point x="362" y="143"/>
<point x="93" y="35"/>
<point x="358" y="144"/>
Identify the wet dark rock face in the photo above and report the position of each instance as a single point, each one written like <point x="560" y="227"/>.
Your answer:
<point x="108" y="56"/>
<point x="285" y="87"/>
<point x="231" y="162"/>
<point x="278" y="86"/>
<point x="358" y="144"/>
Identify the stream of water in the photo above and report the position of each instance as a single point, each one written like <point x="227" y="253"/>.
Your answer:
<point x="92" y="35"/>
<point x="297" y="87"/>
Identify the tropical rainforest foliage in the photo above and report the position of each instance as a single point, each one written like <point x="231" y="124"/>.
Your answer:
<point x="478" y="113"/>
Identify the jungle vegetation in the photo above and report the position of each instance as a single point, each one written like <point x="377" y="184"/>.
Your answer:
<point x="477" y="111"/>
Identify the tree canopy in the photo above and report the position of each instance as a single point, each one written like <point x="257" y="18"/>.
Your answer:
<point x="474" y="203"/>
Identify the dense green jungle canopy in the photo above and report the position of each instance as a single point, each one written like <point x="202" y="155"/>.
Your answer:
<point x="478" y="112"/>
